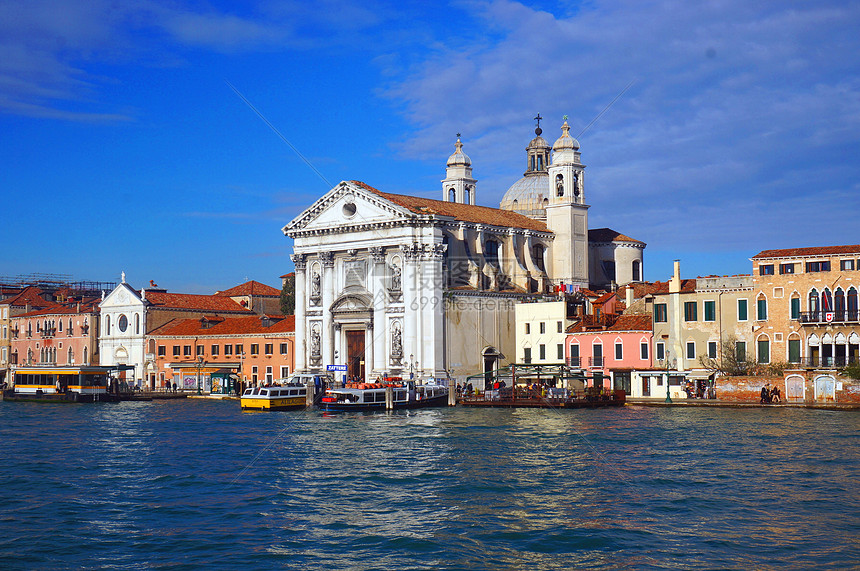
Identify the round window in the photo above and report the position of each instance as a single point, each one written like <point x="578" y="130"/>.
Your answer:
<point x="122" y="323"/>
<point x="349" y="209"/>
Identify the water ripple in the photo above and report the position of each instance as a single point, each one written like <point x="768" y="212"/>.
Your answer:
<point x="199" y="485"/>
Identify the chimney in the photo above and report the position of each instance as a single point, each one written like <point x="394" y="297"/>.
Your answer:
<point x="628" y="297"/>
<point x="675" y="282"/>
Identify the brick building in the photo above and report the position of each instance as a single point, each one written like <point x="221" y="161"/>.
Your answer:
<point x="255" y="349"/>
<point x="805" y="308"/>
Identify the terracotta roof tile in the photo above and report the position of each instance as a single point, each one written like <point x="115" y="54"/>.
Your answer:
<point x="166" y="300"/>
<point x="29" y="295"/>
<point x="458" y="211"/>
<point x="592" y="324"/>
<point x="229" y="326"/>
<point x="609" y="235"/>
<point x="250" y="288"/>
<point x="813" y="251"/>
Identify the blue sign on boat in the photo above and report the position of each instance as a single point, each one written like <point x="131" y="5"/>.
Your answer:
<point x="335" y="368"/>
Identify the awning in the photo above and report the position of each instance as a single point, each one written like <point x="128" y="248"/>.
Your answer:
<point x="699" y="375"/>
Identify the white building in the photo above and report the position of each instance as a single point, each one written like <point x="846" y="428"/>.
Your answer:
<point x="128" y="315"/>
<point x="400" y="285"/>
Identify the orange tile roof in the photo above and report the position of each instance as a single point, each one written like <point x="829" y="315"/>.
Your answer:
<point x="29" y="295"/>
<point x="164" y="300"/>
<point x="632" y="322"/>
<point x="659" y="288"/>
<point x="813" y="251"/>
<point x="250" y="288"/>
<point x="90" y="306"/>
<point x="609" y="235"/>
<point x="458" y="211"/>
<point x="230" y="326"/>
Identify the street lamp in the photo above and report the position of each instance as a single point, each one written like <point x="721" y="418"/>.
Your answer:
<point x="413" y="365"/>
<point x="200" y="364"/>
<point x="668" y="396"/>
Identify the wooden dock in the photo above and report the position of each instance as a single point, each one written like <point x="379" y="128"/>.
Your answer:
<point x="509" y="399"/>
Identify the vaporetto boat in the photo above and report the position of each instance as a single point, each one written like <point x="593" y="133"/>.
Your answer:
<point x="372" y="396"/>
<point x="285" y="395"/>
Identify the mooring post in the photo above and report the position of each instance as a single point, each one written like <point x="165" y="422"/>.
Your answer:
<point x="309" y="396"/>
<point x="389" y="398"/>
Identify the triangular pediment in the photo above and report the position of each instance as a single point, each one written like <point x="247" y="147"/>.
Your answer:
<point x="122" y="295"/>
<point x="346" y="205"/>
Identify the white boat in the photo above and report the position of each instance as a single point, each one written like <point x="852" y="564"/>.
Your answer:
<point x="372" y="396"/>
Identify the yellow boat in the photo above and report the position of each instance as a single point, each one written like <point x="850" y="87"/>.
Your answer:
<point x="275" y="397"/>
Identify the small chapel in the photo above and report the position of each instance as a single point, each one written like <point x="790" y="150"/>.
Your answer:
<point x="395" y="285"/>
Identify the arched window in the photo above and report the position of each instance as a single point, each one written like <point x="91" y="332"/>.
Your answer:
<point x="637" y="269"/>
<point x="467" y="195"/>
<point x="107" y="324"/>
<point x="491" y="252"/>
<point x="137" y="324"/>
<point x="85" y="356"/>
<point x="852" y="305"/>
<point x="559" y="185"/>
<point x="71" y="358"/>
<point x="813" y="303"/>
<point x="538" y="252"/>
<point x="826" y="300"/>
<point x="452" y="195"/>
<point x="839" y="304"/>
<point x="761" y="308"/>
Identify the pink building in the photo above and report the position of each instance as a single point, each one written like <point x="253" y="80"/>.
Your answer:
<point x="616" y="345"/>
<point x="58" y="335"/>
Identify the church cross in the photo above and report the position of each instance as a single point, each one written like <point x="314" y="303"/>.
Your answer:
<point x="538" y="118"/>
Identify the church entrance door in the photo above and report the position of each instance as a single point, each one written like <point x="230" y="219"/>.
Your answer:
<point x="355" y="353"/>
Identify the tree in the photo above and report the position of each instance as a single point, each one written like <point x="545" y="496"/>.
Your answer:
<point x="730" y="360"/>
<point x="288" y="295"/>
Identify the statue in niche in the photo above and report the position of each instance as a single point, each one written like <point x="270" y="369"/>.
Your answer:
<point x="395" y="278"/>
<point x="396" y="343"/>
<point x="559" y="186"/>
<point x="316" y="282"/>
<point x="315" y="342"/>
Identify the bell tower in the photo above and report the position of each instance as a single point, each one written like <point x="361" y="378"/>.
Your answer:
<point x="567" y="213"/>
<point x="459" y="186"/>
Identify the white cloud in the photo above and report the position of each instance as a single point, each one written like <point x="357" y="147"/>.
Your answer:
<point x="729" y="130"/>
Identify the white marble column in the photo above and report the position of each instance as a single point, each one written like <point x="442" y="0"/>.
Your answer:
<point x="300" y="346"/>
<point x="377" y="288"/>
<point x="411" y="307"/>
<point x="328" y="291"/>
<point x="432" y="311"/>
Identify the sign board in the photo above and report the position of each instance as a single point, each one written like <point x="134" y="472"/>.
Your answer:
<point x="335" y="368"/>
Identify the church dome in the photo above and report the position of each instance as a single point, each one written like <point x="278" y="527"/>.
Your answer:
<point x="459" y="158"/>
<point x="528" y="196"/>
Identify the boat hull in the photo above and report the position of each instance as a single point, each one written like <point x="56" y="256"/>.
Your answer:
<point x="441" y="400"/>
<point x="288" y="403"/>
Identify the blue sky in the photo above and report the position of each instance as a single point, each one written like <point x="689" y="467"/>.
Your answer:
<point x="125" y="149"/>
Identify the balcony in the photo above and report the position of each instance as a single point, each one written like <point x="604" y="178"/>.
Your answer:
<point x="828" y="362"/>
<point x="595" y="362"/>
<point x="828" y="317"/>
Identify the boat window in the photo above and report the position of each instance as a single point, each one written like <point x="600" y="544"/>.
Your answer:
<point x="264" y="392"/>
<point x="294" y="392"/>
<point x="399" y="395"/>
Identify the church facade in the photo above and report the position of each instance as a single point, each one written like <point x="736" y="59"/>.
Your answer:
<point x="389" y="284"/>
